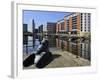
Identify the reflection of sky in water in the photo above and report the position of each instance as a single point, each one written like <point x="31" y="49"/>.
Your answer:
<point x="30" y="48"/>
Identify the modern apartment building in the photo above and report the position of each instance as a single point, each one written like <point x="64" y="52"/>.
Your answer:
<point x="61" y="26"/>
<point x="85" y="22"/>
<point x="75" y="23"/>
<point x="40" y="29"/>
<point x="51" y="28"/>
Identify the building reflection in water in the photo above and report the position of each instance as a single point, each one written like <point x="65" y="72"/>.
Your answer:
<point x="79" y="48"/>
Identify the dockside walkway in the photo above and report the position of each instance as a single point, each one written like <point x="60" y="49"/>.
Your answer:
<point x="63" y="59"/>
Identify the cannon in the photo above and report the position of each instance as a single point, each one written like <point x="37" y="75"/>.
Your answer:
<point x="41" y="57"/>
<point x="29" y="61"/>
<point x="44" y="59"/>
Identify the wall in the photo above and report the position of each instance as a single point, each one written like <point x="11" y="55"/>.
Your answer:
<point x="5" y="40"/>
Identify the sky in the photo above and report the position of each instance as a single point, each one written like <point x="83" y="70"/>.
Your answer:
<point x="42" y="17"/>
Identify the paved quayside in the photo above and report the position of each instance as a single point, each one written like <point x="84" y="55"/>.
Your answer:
<point x="63" y="59"/>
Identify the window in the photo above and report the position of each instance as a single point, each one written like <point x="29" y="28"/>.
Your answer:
<point x="81" y="28"/>
<point x="85" y="24"/>
<point x="81" y="24"/>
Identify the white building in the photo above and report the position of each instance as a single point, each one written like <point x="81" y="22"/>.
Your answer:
<point x="30" y="28"/>
<point x="85" y="22"/>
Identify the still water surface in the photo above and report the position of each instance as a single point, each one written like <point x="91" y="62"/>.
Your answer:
<point x="79" y="48"/>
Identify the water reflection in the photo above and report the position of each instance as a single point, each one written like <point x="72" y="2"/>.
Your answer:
<point x="75" y="46"/>
<point x="79" y="48"/>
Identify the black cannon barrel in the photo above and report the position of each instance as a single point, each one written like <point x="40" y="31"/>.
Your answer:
<point x="29" y="61"/>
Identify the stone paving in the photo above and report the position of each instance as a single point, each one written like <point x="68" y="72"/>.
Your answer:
<point x="63" y="59"/>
